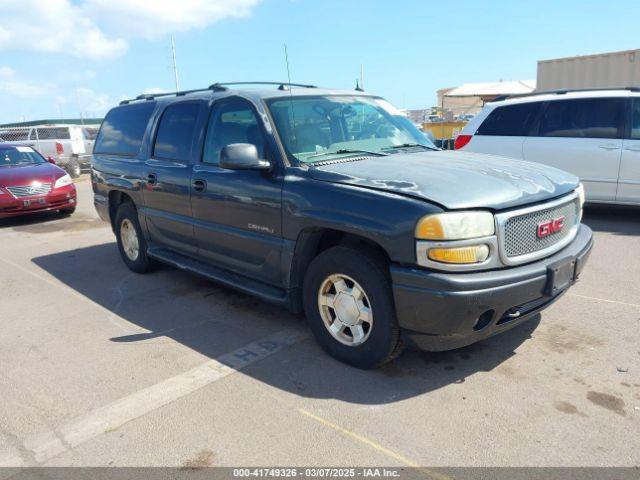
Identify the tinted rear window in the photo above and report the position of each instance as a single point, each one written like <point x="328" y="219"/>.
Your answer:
<point x="510" y="120"/>
<point x="123" y="129"/>
<point x="175" y="132"/>
<point x="583" y="118"/>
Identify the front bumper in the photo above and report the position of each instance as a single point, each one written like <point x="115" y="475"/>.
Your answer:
<point x="442" y="311"/>
<point x="59" y="198"/>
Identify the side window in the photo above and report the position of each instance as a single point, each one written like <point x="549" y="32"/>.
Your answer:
<point x="635" y="119"/>
<point x="176" y="130"/>
<point x="583" y="118"/>
<point x="510" y="120"/>
<point x="232" y="122"/>
<point x="123" y="128"/>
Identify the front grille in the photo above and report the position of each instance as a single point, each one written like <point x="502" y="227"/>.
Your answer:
<point x="520" y="232"/>
<point x="30" y="190"/>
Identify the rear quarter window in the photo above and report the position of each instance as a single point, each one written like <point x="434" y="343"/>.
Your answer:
<point x="123" y="129"/>
<point x="510" y="120"/>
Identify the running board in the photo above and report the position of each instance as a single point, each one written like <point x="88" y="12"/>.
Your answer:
<point x="225" y="277"/>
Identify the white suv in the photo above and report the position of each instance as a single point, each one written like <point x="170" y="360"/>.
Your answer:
<point x="593" y="134"/>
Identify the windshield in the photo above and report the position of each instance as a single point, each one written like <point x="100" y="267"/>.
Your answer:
<point x="320" y="128"/>
<point x="19" y="156"/>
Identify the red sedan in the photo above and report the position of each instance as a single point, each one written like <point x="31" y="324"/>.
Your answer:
<point x="31" y="184"/>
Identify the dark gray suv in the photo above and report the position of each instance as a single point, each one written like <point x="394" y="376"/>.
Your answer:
<point x="332" y="203"/>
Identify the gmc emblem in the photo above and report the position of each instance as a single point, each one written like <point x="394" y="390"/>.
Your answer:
<point x="552" y="226"/>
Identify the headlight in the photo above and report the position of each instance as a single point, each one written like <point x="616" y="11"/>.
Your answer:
<point x="455" y="226"/>
<point x="63" y="181"/>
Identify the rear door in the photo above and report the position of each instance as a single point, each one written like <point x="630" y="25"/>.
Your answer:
<point x="238" y="222"/>
<point x="629" y="180"/>
<point x="582" y="136"/>
<point x="167" y="176"/>
<point x="504" y="130"/>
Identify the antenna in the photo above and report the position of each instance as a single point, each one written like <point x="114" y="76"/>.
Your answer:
<point x="175" y="65"/>
<point x="362" y="77"/>
<point x="293" y="115"/>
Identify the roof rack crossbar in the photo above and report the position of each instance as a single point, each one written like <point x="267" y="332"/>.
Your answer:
<point x="227" y="84"/>
<point x="216" y="87"/>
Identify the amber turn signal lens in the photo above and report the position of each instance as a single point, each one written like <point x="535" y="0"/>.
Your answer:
<point x="460" y="255"/>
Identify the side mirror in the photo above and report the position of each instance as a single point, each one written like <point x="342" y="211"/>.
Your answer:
<point x="242" y="156"/>
<point x="51" y="160"/>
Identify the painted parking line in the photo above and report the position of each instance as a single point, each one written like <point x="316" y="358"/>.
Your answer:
<point x="375" y="445"/>
<point x="47" y="445"/>
<point x="597" y="299"/>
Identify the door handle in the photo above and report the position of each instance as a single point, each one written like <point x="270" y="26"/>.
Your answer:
<point x="152" y="179"/>
<point x="609" y="147"/>
<point x="199" y="185"/>
<point x="633" y="149"/>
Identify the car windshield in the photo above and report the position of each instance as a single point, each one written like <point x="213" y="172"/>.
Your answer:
<point x="325" y="127"/>
<point x="16" y="156"/>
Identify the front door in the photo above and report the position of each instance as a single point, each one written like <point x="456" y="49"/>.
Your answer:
<point x="629" y="181"/>
<point x="167" y="177"/>
<point x="237" y="213"/>
<point x="582" y="136"/>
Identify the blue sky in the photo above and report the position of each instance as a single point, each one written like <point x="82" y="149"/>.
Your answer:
<point x="58" y="57"/>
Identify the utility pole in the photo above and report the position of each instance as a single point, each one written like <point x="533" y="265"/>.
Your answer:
<point x="175" y="65"/>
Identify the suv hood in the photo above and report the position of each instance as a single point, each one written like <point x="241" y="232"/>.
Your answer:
<point x="454" y="180"/>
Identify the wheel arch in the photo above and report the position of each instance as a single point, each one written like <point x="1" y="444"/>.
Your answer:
<point x="313" y="241"/>
<point x="117" y="198"/>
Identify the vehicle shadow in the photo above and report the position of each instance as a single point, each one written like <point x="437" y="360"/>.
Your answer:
<point x="211" y="319"/>
<point x="616" y="219"/>
<point x="31" y="219"/>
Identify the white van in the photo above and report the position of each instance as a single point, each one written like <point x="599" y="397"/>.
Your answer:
<point x="593" y="134"/>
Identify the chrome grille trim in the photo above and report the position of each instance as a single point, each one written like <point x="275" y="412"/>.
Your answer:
<point x="516" y="247"/>
<point x="29" y="190"/>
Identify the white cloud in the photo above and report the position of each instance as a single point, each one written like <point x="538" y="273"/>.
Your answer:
<point x="131" y="18"/>
<point x="154" y="90"/>
<point x="6" y="72"/>
<point x="13" y="86"/>
<point x="100" y="29"/>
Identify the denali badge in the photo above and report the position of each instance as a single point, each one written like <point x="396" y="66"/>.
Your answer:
<point x="552" y="226"/>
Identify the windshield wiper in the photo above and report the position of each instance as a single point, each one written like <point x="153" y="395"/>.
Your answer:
<point x="409" y="145"/>
<point x="347" y="150"/>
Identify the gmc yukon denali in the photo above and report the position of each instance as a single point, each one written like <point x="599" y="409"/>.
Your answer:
<point x="332" y="203"/>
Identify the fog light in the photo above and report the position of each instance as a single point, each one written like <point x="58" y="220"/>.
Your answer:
<point x="470" y="254"/>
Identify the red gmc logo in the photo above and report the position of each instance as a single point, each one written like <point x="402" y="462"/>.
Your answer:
<point x="552" y="226"/>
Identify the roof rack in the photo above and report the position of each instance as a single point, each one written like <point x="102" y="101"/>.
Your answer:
<point x="215" y="87"/>
<point x="562" y="91"/>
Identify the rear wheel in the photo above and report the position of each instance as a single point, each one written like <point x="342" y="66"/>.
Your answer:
<point x="349" y="305"/>
<point x="131" y="241"/>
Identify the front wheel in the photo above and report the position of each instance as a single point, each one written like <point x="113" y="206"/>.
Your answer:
<point x="131" y="241"/>
<point x="349" y="306"/>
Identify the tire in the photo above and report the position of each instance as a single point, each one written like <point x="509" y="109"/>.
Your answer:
<point x="73" y="168"/>
<point x="127" y="224"/>
<point x="68" y="211"/>
<point x="360" y="271"/>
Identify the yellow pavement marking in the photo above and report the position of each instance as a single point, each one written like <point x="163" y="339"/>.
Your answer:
<point x="604" y="300"/>
<point x="374" y="445"/>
